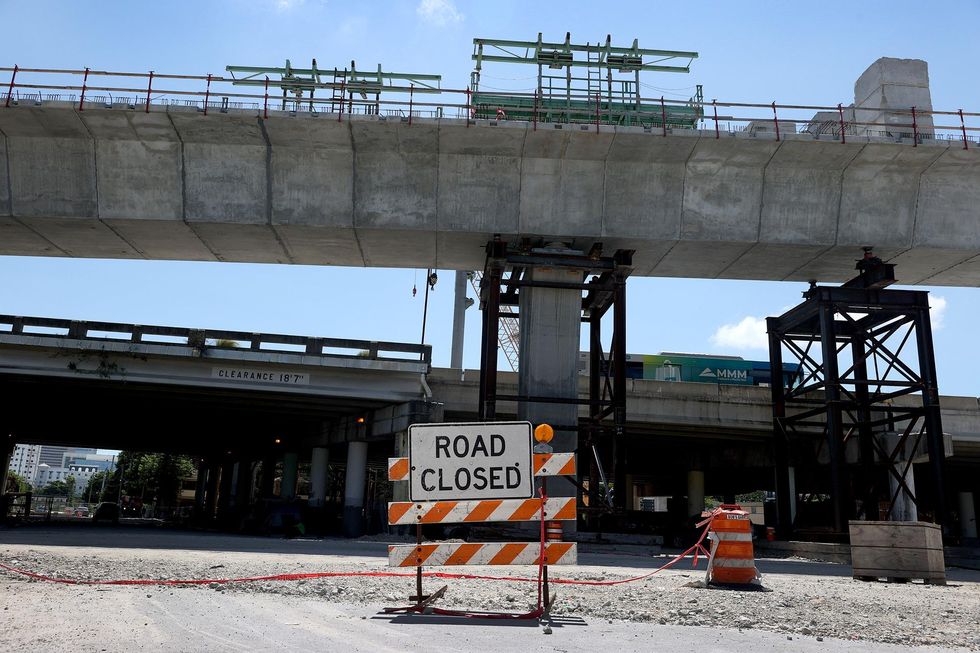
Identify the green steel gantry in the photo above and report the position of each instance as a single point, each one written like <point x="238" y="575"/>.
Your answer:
<point x="609" y="92"/>
<point x="342" y="84"/>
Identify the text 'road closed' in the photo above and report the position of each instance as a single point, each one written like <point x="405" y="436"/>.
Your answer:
<point x="470" y="461"/>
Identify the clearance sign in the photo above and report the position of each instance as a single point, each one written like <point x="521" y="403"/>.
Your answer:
<point x="470" y="461"/>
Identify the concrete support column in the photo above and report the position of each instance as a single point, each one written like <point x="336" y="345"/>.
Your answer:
<point x="904" y="508"/>
<point x="211" y="493"/>
<point x="318" y="477"/>
<point x="243" y="484"/>
<point x="224" y="491"/>
<point x="968" y="515"/>
<point x="550" y="327"/>
<point x="201" y="490"/>
<point x="354" y="489"/>
<point x="695" y="493"/>
<point x="792" y="495"/>
<point x="268" y="479"/>
<point x="459" y="321"/>
<point x="290" y="467"/>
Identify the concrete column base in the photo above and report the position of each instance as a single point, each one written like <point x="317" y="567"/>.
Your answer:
<point x="904" y="508"/>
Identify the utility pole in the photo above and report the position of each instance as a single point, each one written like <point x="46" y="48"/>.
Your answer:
<point x="122" y="472"/>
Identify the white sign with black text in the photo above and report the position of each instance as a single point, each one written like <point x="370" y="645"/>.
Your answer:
<point x="470" y="461"/>
<point x="246" y="375"/>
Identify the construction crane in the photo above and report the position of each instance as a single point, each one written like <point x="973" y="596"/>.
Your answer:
<point x="508" y="331"/>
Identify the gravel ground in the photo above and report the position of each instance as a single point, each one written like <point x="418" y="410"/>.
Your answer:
<point x="799" y="598"/>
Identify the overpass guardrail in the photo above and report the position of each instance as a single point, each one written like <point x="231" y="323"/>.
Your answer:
<point x="151" y="91"/>
<point x="46" y="327"/>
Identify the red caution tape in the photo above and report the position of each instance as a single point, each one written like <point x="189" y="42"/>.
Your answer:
<point x="697" y="549"/>
<point x="344" y="574"/>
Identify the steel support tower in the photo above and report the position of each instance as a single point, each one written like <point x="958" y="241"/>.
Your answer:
<point x="865" y="405"/>
<point x="602" y="432"/>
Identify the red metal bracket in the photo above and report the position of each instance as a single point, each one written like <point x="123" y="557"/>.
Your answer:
<point x="149" y="89"/>
<point x="714" y="104"/>
<point x="265" y="102"/>
<point x="915" y="130"/>
<point x="10" y="89"/>
<point x="963" y="129"/>
<point x="840" y="110"/>
<point x="207" y="95"/>
<point x="775" y="120"/>
<point x="81" y="101"/>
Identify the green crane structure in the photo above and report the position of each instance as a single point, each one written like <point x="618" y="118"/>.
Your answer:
<point x="588" y="83"/>
<point x="350" y="87"/>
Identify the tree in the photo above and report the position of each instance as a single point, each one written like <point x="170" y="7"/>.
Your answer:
<point x="17" y="483"/>
<point x="58" y="488"/>
<point x="93" y="489"/>
<point x="150" y="477"/>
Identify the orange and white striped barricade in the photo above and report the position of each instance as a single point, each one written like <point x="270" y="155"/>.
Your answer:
<point x="731" y="560"/>
<point x="493" y="460"/>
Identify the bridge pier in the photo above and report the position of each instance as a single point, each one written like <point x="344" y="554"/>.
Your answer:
<point x="224" y="491"/>
<point x="211" y="492"/>
<point x="290" y="468"/>
<point x="550" y="328"/>
<point x="200" y="490"/>
<point x="243" y="485"/>
<point x="268" y="478"/>
<point x="695" y="493"/>
<point x="968" y="515"/>
<point x="318" y="477"/>
<point x="354" y="489"/>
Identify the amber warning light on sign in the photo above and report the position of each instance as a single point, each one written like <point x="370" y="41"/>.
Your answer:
<point x="470" y="461"/>
<point x="543" y="433"/>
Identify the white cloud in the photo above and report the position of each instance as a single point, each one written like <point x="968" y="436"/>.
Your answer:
<point x="439" y="12"/>
<point x="750" y="333"/>
<point x="937" y="311"/>
<point x="287" y="5"/>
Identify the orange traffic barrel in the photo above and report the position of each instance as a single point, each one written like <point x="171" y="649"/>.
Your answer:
<point x="552" y="531"/>
<point x="732" y="558"/>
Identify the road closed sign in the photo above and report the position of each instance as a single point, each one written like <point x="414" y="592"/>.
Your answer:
<point x="470" y="461"/>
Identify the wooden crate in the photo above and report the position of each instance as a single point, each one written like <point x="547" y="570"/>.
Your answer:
<point x="897" y="551"/>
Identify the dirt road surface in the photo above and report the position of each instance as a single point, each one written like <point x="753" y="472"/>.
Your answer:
<point x="806" y="606"/>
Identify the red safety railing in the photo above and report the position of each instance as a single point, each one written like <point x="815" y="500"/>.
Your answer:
<point x="165" y="92"/>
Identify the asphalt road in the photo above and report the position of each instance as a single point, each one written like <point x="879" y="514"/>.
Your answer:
<point x="345" y="615"/>
<point x="45" y="617"/>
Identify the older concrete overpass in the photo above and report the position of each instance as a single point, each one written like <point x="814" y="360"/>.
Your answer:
<point x="236" y="399"/>
<point x="174" y="183"/>
<point x="232" y="398"/>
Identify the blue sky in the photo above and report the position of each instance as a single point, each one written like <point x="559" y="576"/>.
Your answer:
<point x="753" y="52"/>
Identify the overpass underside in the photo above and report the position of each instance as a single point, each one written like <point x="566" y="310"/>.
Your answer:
<point x="683" y="440"/>
<point x="176" y="184"/>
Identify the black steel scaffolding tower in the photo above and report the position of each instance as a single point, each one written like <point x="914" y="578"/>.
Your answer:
<point x="505" y="274"/>
<point x="865" y="402"/>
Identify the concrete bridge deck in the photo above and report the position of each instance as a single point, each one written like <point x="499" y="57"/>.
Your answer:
<point x="177" y="184"/>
